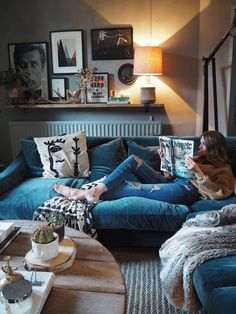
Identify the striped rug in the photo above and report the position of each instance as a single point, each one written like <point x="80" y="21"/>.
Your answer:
<point x="141" y="269"/>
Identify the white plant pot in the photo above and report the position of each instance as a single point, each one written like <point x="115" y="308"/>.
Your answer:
<point x="47" y="251"/>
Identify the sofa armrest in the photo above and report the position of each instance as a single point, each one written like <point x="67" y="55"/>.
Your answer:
<point x="13" y="174"/>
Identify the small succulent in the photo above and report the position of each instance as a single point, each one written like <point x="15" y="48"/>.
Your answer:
<point x="43" y="235"/>
<point x="55" y="219"/>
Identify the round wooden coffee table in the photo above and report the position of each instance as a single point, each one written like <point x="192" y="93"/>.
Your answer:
<point x="93" y="284"/>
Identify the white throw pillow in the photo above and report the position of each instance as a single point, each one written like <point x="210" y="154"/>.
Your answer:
<point x="64" y="156"/>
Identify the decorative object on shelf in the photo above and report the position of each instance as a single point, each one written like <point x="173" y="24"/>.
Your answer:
<point x="11" y="80"/>
<point x="44" y="243"/>
<point x="57" y="221"/>
<point x="148" y="61"/>
<point x="112" y="43"/>
<point x="58" y="88"/>
<point x="119" y="99"/>
<point x="72" y="96"/>
<point x="98" y="92"/>
<point x="33" y="85"/>
<point x="126" y="75"/>
<point x="67" y="51"/>
<point x="84" y="79"/>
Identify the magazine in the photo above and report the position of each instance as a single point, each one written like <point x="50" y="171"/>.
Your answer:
<point x="175" y="152"/>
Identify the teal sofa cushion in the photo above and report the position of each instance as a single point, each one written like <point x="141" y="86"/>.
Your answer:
<point x="138" y="213"/>
<point x="148" y="153"/>
<point x="222" y="301"/>
<point x="32" y="158"/>
<point x="21" y="201"/>
<point x="215" y="273"/>
<point x="206" y="205"/>
<point x="104" y="158"/>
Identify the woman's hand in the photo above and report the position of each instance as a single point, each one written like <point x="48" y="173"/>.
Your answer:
<point x="191" y="164"/>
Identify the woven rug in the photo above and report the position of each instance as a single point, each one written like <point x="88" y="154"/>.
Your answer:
<point x="141" y="269"/>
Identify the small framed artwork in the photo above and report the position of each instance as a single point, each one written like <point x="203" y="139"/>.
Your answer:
<point x="99" y="90"/>
<point x="30" y="60"/>
<point x="112" y="43"/>
<point x="66" y="51"/>
<point x="58" y="88"/>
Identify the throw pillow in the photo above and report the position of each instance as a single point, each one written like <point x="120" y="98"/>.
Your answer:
<point x="148" y="153"/>
<point x="105" y="158"/>
<point x="32" y="158"/>
<point x="64" y="156"/>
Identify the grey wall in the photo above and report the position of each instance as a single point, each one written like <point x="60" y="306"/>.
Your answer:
<point x="175" y="27"/>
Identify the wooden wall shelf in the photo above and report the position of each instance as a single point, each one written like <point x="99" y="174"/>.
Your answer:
<point x="84" y="106"/>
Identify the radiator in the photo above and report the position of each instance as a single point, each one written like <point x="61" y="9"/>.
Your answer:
<point x="20" y="129"/>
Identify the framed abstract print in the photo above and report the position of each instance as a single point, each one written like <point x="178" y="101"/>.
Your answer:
<point x="66" y="51"/>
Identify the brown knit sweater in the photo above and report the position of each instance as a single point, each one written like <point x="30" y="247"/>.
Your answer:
<point x="218" y="182"/>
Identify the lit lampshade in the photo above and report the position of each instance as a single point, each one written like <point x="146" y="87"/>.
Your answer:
<point x="148" y="61"/>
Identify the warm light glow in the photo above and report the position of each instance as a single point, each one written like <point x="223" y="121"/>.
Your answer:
<point x="148" y="60"/>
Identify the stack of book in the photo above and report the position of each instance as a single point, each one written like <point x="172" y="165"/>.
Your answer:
<point x="8" y="232"/>
<point x="119" y="100"/>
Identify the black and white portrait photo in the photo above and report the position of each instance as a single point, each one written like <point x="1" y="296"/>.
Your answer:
<point x="30" y="60"/>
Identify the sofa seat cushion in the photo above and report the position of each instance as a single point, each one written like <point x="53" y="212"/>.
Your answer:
<point x="25" y="198"/>
<point x="139" y="213"/>
<point x="222" y="301"/>
<point x="206" y="205"/>
<point x="215" y="273"/>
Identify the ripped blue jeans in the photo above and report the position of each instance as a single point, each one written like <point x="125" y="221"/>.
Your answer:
<point x="131" y="179"/>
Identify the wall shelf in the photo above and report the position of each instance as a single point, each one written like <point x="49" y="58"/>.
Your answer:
<point x="84" y="106"/>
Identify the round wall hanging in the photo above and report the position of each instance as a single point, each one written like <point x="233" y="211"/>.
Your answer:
<point x="125" y="74"/>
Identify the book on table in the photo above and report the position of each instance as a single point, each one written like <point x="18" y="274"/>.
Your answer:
<point x="175" y="151"/>
<point x="8" y="232"/>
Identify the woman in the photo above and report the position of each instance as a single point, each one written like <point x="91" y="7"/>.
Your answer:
<point x="213" y="178"/>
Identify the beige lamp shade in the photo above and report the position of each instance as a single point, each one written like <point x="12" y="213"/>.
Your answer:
<point x="148" y="60"/>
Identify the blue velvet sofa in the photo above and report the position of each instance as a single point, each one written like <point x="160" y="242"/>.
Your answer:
<point x="130" y="221"/>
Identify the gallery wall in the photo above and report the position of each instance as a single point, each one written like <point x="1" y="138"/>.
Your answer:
<point x="175" y="25"/>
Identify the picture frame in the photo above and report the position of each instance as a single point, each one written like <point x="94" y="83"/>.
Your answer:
<point x="66" y="51"/>
<point x="58" y="88"/>
<point x="30" y="60"/>
<point x="112" y="43"/>
<point x="99" y="90"/>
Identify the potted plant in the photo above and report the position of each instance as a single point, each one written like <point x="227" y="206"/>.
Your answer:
<point x="11" y="80"/>
<point x="57" y="221"/>
<point x="44" y="243"/>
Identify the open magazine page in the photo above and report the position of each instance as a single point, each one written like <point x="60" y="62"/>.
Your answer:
<point x="182" y="149"/>
<point x="167" y="161"/>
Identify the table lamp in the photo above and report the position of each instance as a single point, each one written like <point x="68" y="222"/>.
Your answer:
<point x="148" y="61"/>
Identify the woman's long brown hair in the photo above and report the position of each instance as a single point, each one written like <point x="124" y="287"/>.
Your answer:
<point x="216" y="145"/>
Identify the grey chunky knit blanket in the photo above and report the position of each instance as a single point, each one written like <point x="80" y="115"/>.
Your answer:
<point x="202" y="238"/>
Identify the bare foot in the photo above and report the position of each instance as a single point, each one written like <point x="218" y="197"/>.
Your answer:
<point x="70" y="193"/>
<point x="93" y="195"/>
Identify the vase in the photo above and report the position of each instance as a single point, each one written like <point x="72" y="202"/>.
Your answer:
<point x="83" y="99"/>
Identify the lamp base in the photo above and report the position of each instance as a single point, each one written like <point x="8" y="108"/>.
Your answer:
<point x="148" y="95"/>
